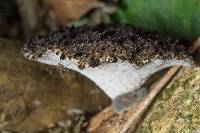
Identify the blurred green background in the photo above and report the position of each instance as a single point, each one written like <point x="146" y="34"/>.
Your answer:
<point x="179" y="17"/>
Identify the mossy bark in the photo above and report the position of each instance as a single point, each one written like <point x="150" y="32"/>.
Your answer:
<point x="177" y="107"/>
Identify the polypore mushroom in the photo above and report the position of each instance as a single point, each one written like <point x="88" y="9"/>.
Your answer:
<point x="117" y="58"/>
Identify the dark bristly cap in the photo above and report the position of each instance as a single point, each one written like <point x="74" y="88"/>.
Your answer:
<point x="107" y="43"/>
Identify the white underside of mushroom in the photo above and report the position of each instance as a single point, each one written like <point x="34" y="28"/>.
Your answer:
<point x="117" y="79"/>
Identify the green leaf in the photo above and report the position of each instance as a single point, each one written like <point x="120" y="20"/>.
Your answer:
<point x="178" y="17"/>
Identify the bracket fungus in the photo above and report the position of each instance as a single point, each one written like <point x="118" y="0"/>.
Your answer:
<point x="118" y="58"/>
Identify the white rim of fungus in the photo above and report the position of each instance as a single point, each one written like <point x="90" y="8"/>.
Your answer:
<point x="114" y="79"/>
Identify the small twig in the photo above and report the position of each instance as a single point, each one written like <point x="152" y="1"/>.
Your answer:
<point x="97" y="120"/>
<point x="195" y="45"/>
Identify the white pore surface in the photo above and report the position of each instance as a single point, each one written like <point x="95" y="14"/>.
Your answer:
<point x="115" y="79"/>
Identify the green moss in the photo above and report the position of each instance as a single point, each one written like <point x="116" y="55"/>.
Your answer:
<point x="177" y="108"/>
